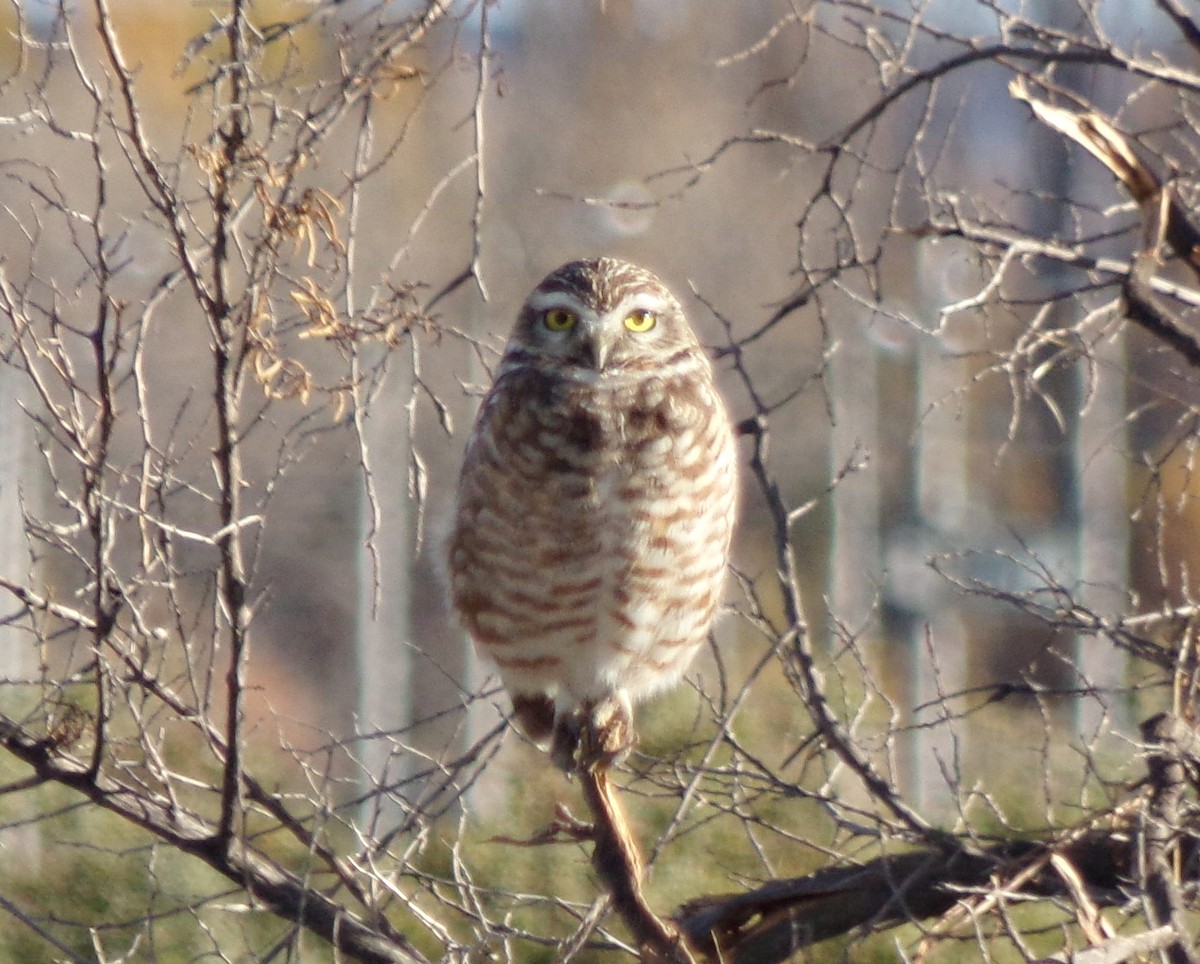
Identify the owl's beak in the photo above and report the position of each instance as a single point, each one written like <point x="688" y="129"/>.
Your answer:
<point x="596" y="347"/>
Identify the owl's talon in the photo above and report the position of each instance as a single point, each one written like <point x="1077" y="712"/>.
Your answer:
<point x="566" y="741"/>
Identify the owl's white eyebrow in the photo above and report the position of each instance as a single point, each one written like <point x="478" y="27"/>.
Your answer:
<point x="640" y="301"/>
<point x="541" y="300"/>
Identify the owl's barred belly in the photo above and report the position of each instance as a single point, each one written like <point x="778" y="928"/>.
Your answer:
<point x="606" y="575"/>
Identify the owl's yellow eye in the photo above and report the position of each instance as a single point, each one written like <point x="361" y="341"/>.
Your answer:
<point x="559" y="319"/>
<point x="640" y="321"/>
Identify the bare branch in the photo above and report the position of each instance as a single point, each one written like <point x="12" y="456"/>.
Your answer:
<point x="278" y="890"/>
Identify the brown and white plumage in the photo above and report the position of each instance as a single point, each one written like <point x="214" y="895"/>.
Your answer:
<point x="596" y="503"/>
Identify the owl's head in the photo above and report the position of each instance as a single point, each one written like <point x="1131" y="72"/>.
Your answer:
<point x="602" y="317"/>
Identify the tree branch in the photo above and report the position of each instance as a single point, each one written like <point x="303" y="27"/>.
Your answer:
<point x="618" y="862"/>
<point x="773" y="922"/>
<point x="1171" y="746"/>
<point x="1164" y="218"/>
<point x="277" y="889"/>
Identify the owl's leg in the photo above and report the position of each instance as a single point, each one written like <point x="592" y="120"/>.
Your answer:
<point x="533" y="714"/>
<point x="608" y="733"/>
<point x="597" y="734"/>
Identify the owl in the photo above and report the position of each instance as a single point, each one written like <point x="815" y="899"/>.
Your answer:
<point x="595" y="508"/>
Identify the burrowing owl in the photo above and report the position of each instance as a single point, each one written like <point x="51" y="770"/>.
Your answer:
<point x="595" y="507"/>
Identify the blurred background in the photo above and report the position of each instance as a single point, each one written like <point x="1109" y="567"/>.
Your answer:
<point x="911" y="290"/>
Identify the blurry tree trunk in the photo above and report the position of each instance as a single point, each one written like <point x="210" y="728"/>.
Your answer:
<point x="16" y="646"/>
<point x="1093" y="502"/>
<point x="1101" y="474"/>
<point x="386" y="545"/>
<point x="940" y="640"/>
<point x="856" y="571"/>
